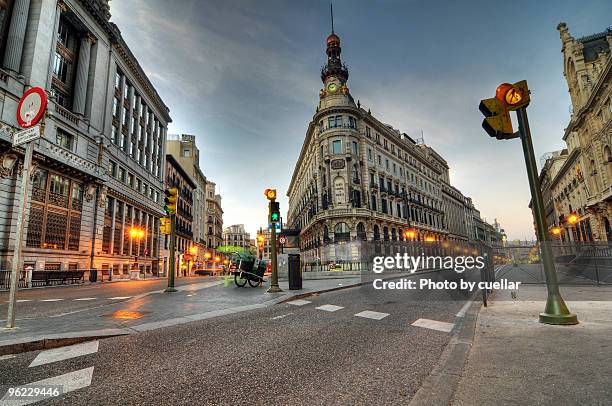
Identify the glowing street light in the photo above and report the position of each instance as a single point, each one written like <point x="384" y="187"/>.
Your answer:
<point x="556" y="231"/>
<point x="208" y="255"/>
<point x="430" y="238"/>
<point x="410" y="234"/>
<point x="572" y="219"/>
<point x="193" y="250"/>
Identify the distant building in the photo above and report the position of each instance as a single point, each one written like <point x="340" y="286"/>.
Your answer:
<point x="177" y="177"/>
<point x="214" y="217"/>
<point x="237" y="236"/>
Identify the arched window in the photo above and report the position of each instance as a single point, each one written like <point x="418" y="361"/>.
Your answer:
<point x="386" y="233"/>
<point x="325" y="234"/>
<point x="594" y="178"/>
<point x="393" y="235"/>
<point x="376" y="233"/>
<point x="608" y="162"/>
<point x="361" y="232"/>
<point x="342" y="232"/>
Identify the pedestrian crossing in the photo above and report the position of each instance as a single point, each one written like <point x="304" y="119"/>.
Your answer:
<point x="64" y="383"/>
<point x="377" y="316"/>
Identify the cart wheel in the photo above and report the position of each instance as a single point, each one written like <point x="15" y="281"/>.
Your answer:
<point x="240" y="280"/>
<point x="254" y="283"/>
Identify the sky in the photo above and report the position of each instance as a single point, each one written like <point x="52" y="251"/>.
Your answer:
<point x="244" y="77"/>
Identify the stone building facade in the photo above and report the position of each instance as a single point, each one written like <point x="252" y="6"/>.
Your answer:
<point x="237" y="236"/>
<point x="177" y="177"/>
<point x="359" y="179"/>
<point x="214" y="216"/>
<point x="99" y="166"/>
<point x="583" y="185"/>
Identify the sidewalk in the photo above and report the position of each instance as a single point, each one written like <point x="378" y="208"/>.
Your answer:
<point x="515" y="360"/>
<point x="152" y="310"/>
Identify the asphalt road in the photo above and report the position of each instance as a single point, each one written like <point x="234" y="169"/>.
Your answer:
<point x="279" y="355"/>
<point x="52" y="301"/>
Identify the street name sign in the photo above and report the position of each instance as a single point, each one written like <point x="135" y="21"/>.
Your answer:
<point x="27" y="135"/>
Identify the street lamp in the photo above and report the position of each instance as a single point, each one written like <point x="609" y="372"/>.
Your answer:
<point x="138" y="234"/>
<point x="572" y="219"/>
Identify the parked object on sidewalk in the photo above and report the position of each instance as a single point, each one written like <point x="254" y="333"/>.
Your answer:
<point x="295" y="275"/>
<point x="93" y="275"/>
<point x="248" y="269"/>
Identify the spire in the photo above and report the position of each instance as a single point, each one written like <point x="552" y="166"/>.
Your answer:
<point x="334" y="64"/>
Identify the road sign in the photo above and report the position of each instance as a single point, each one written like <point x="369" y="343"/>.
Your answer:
<point x="27" y="135"/>
<point x="279" y="227"/>
<point x="282" y="240"/>
<point x="31" y="107"/>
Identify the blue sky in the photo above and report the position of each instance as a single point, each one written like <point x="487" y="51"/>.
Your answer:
<point x="243" y="76"/>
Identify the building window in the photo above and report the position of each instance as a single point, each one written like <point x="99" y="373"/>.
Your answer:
<point x="63" y="139"/>
<point x="130" y="180"/>
<point x="122" y="174"/>
<point x="112" y="168"/>
<point x="186" y="153"/>
<point x="355" y="148"/>
<point x="64" y="63"/>
<point x="114" y="135"/>
<point x="55" y="216"/>
<point x="336" y="147"/>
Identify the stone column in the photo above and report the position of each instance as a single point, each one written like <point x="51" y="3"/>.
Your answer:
<point x="82" y="74"/>
<point x="16" y="35"/>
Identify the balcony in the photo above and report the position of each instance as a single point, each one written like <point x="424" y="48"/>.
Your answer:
<point x="343" y="126"/>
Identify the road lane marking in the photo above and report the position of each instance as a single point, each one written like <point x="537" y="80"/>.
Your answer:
<point x="119" y="297"/>
<point x="368" y="314"/>
<point x="85" y="298"/>
<point x="282" y="316"/>
<point x="64" y="353"/>
<point x="69" y="382"/>
<point x="23" y="300"/>
<point x="51" y="300"/>
<point x="434" y="325"/>
<point x="8" y="356"/>
<point x="329" y="308"/>
<point x="299" y="302"/>
<point x="464" y="309"/>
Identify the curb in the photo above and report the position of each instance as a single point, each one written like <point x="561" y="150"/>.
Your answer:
<point x="440" y="386"/>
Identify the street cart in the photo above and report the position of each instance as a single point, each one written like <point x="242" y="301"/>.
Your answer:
<point x="248" y="269"/>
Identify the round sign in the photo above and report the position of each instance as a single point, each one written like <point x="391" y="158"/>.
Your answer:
<point x="31" y="107"/>
<point x="282" y="240"/>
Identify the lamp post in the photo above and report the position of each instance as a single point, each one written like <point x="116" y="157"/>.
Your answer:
<point x="136" y="233"/>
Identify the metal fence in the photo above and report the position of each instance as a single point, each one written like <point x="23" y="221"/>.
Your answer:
<point x="5" y="279"/>
<point x="43" y="278"/>
<point x="576" y="263"/>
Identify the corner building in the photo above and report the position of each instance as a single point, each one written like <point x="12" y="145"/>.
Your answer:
<point x="98" y="169"/>
<point x="358" y="179"/>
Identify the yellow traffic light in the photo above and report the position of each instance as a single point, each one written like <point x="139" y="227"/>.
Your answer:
<point x="497" y="121"/>
<point x="170" y="200"/>
<point x="165" y="225"/>
<point x="514" y="95"/>
<point x="270" y="194"/>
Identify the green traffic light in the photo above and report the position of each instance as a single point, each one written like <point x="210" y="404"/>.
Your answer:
<point x="274" y="216"/>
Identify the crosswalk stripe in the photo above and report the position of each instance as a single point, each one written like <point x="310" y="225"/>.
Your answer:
<point x="434" y="325"/>
<point x="86" y="298"/>
<point x="68" y="382"/>
<point x="51" y="300"/>
<point x="119" y="297"/>
<point x="299" y="302"/>
<point x="23" y="300"/>
<point x="64" y="353"/>
<point x="368" y="314"/>
<point x="329" y="308"/>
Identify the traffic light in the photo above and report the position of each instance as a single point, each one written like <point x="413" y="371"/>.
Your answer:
<point x="514" y="96"/>
<point x="270" y="194"/>
<point x="260" y="241"/>
<point x="165" y="225"/>
<point x="274" y="212"/>
<point x="170" y="200"/>
<point x="497" y="122"/>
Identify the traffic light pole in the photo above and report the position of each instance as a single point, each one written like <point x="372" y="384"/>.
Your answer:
<point x="274" y="288"/>
<point x="170" y="287"/>
<point x="556" y="311"/>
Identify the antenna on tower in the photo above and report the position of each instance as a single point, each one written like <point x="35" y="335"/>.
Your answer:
<point x="331" y="9"/>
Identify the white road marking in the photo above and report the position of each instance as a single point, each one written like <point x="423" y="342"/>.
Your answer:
<point x="434" y="325"/>
<point x="8" y="356"/>
<point x="282" y="316"/>
<point x="329" y="308"/>
<point x="464" y="309"/>
<point x="69" y="382"/>
<point x="119" y="297"/>
<point x="368" y="314"/>
<point x="23" y="300"/>
<point x="51" y="300"/>
<point x="299" y="302"/>
<point x="64" y="353"/>
<point x="189" y="295"/>
<point x="86" y="298"/>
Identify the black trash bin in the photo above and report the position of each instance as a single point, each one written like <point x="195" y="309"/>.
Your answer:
<point x="93" y="275"/>
<point x="294" y="271"/>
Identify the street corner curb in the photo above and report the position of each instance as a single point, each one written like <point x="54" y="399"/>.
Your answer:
<point x="10" y="347"/>
<point x="440" y="386"/>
